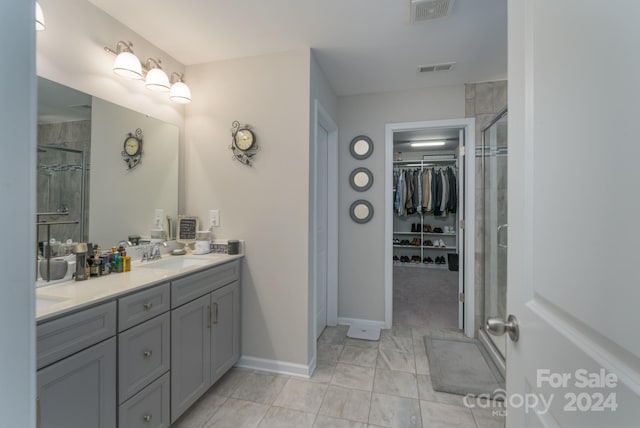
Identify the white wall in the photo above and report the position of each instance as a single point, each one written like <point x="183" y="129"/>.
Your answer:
<point x="361" y="246"/>
<point x="17" y="189"/>
<point x="267" y="204"/>
<point x="123" y="201"/>
<point x="320" y="90"/>
<point x="71" y="52"/>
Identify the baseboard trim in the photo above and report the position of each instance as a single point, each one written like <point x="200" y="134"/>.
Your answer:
<point x="363" y="323"/>
<point x="275" y="366"/>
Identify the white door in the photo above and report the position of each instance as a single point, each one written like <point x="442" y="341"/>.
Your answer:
<point x="574" y="200"/>
<point x="321" y="230"/>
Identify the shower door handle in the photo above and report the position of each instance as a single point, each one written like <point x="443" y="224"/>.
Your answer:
<point x="502" y="228"/>
<point x="497" y="326"/>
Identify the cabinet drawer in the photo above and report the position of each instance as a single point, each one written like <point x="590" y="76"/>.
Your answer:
<point x="143" y="306"/>
<point x="147" y="409"/>
<point x="191" y="287"/>
<point x="62" y="337"/>
<point x="143" y="355"/>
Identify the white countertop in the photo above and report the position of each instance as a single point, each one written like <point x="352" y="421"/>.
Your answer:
<point x="57" y="299"/>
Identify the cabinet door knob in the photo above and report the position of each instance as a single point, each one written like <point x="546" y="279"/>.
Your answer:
<point x="147" y="353"/>
<point x="147" y="306"/>
<point x="147" y="418"/>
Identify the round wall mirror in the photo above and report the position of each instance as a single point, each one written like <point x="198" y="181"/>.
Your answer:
<point x="361" y="147"/>
<point x="361" y="211"/>
<point x="361" y="179"/>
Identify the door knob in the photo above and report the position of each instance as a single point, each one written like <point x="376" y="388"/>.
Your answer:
<point x="498" y="327"/>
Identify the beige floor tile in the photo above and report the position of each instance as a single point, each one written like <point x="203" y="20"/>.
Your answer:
<point x="395" y="360"/>
<point x="329" y="422"/>
<point x="362" y="343"/>
<point x="230" y="381"/>
<point x="395" y="383"/>
<point x="426" y="392"/>
<point x="346" y="403"/>
<point x="334" y="335"/>
<point x="201" y="411"/>
<point x="394" y="343"/>
<point x="237" y="413"/>
<point x="350" y="376"/>
<point x="301" y="395"/>
<point x="323" y="372"/>
<point x="260" y="387"/>
<point x="397" y="331"/>
<point x="329" y="352"/>
<point x="422" y="362"/>
<point x="394" y="412"/>
<point x="489" y="418"/>
<point x="438" y="415"/>
<point x="279" y="417"/>
<point x="359" y="356"/>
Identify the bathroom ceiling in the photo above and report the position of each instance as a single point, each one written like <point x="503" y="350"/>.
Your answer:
<point x="363" y="46"/>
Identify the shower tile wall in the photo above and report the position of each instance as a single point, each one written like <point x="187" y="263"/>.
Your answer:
<point x="73" y="135"/>
<point x="483" y="101"/>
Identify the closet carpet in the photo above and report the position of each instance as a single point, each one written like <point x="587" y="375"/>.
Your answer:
<point x="425" y="298"/>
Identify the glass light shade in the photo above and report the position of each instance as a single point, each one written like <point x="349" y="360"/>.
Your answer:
<point x="39" y="18"/>
<point x="157" y="80"/>
<point x="127" y="65"/>
<point x="180" y="93"/>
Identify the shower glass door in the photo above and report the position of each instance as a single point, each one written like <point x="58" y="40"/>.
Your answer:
<point x="494" y="167"/>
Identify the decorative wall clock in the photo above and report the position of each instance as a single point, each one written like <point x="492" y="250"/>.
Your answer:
<point x="132" y="149"/>
<point x="243" y="143"/>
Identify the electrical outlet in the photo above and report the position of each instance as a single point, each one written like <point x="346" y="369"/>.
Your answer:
<point x="214" y="218"/>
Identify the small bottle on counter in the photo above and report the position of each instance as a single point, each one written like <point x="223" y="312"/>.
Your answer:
<point x="126" y="265"/>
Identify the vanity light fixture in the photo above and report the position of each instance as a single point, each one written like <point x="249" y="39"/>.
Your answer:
<point x="180" y="92"/>
<point x="427" y="144"/>
<point x="156" y="79"/>
<point x="40" y="26"/>
<point x="128" y="65"/>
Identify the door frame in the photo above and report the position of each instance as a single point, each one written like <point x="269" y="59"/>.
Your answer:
<point x="322" y="118"/>
<point x="468" y="214"/>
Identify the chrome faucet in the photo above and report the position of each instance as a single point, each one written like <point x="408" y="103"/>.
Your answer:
<point x="123" y="243"/>
<point x="155" y="251"/>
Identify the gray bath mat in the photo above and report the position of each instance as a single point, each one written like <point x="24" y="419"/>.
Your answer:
<point x="462" y="366"/>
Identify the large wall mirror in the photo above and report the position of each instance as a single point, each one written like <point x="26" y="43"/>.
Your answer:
<point x="81" y="174"/>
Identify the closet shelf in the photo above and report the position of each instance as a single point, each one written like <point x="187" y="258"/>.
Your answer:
<point x="422" y="265"/>
<point x="425" y="247"/>
<point x="424" y="233"/>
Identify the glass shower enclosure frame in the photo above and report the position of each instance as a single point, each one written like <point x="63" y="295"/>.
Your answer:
<point x="494" y="155"/>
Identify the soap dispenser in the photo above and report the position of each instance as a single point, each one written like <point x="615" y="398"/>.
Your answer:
<point x="81" y="261"/>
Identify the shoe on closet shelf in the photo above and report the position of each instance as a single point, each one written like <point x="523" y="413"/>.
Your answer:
<point x="396" y="241"/>
<point x="396" y="259"/>
<point x="426" y="228"/>
<point x="429" y="260"/>
<point x="441" y="243"/>
<point x="436" y="244"/>
<point x="413" y="227"/>
<point x="428" y="243"/>
<point x="415" y="259"/>
<point x="437" y="230"/>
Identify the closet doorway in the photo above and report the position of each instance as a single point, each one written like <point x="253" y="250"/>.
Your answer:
<point x="429" y="280"/>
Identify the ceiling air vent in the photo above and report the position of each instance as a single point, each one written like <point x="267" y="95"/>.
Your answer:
<point x="435" y="67"/>
<point x="426" y="10"/>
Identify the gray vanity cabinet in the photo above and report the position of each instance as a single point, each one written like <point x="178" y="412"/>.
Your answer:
<point x="205" y="334"/>
<point x="79" y="391"/>
<point x="76" y="379"/>
<point x="190" y="354"/>
<point x="225" y="329"/>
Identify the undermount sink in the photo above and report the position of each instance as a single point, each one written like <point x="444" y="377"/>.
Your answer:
<point x="176" y="263"/>
<point x="46" y="301"/>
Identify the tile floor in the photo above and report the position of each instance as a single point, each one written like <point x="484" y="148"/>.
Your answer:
<point x="357" y="384"/>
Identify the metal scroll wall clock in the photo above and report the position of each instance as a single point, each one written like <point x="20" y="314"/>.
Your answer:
<point x="243" y="143"/>
<point x="132" y="149"/>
